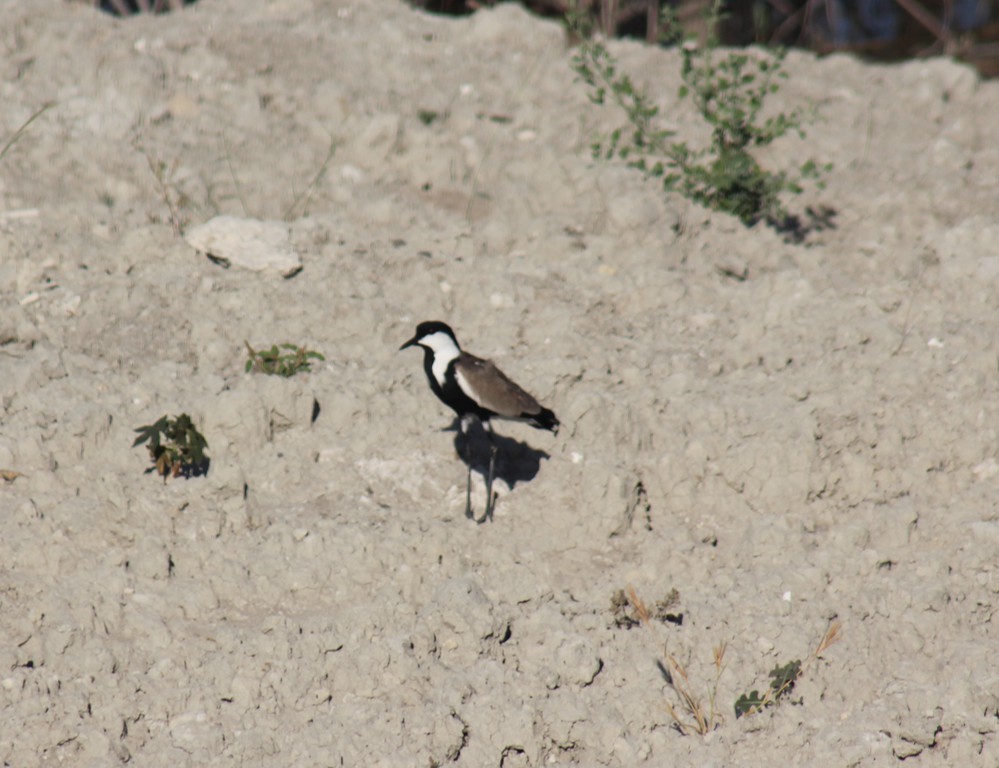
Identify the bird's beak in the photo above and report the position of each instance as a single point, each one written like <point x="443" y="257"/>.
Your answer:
<point x="410" y="343"/>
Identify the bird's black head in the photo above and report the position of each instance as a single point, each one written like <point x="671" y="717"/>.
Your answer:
<point x="429" y="328"/>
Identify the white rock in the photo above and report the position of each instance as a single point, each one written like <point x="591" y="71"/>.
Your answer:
<point x="249" y="243"/>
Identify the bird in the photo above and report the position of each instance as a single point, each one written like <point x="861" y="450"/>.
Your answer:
<point x="476" y="390"/>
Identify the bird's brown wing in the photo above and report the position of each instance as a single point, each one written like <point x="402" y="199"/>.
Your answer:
<point x="492" y="389"/>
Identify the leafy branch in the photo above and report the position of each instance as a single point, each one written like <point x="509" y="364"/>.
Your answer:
<point x="729" y="92"/>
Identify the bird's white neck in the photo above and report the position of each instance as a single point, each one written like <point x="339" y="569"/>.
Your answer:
<point x="445" y="351"/>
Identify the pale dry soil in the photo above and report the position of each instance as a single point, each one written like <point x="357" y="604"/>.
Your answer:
<point x="815" y="442"/>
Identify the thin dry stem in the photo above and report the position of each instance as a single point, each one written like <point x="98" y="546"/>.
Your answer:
<point x="302" y="200"/>
<point x="640" y="608"/>
<point x="719" y="655"/>
<point x="679" y="682"/>
<point x="831" y="637"/>
<point x="163" y="180"/>
<point x="24" y="126"/>
<point x="232" y="174"/>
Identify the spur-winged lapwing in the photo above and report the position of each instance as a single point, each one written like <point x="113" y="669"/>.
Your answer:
<point x="475" y="389"/>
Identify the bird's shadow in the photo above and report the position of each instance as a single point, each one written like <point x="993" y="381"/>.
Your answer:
<point x="516" y="461"/>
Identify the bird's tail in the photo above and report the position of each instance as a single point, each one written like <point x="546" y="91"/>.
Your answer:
<point x="545" y="419"/>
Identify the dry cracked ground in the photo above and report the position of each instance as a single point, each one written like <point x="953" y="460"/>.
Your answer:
<point x="790" y="435"/>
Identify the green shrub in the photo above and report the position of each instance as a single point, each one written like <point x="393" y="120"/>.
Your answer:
<point x="175" y="447"/>
<point x="729" y="91"/>
<point x="275" y="362"/>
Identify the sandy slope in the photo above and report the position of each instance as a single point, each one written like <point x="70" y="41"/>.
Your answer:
<point x="815" y="442"/>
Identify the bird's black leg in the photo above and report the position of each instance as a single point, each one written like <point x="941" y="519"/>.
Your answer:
<point x="468" y="494"/>
<point x="490" y="499"/>
<point x="468" y="461"/>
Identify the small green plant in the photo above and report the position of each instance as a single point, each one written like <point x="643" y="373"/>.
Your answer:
<point x="783" y="678"/>
<point x="428" y="116"/>
<point x="729" y="92"/>
<point x="175" y="447"/>
<point x="274" y="361"/>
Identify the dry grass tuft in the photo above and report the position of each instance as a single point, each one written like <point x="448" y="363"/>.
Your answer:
<point x="694" y="712"/>
<point x="690" y="714"/>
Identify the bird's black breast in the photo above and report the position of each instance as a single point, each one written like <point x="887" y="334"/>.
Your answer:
<point x="428" y="367"/>
<point x="449" y="393"/>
